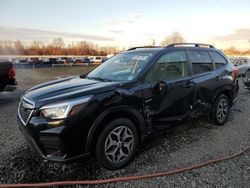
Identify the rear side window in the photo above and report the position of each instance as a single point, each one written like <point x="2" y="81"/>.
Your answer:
<point x="218" y="59"/>
<point x="201" y="61"/>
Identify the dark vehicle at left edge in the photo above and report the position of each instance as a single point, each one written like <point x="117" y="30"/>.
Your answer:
<point x="7" y="76"/>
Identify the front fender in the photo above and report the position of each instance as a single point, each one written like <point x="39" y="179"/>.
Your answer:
<point x="128" y="110"/>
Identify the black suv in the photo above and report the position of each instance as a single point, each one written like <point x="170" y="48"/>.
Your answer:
<point x="108" y="112"/>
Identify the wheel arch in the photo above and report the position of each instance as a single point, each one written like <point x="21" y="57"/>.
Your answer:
<point x="115" y="112"/>
<point x="226" y="91"/>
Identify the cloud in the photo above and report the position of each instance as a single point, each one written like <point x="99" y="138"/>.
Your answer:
<point x="29" y="35"/>
<point x="119" y="22"/>
<point x="135" y="15"/>
<point x="129" y="19"/>
<point x="239" y="34"/>
<point x="116" y="31"/>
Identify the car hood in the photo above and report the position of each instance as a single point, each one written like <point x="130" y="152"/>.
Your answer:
<point x="66" y="89"/>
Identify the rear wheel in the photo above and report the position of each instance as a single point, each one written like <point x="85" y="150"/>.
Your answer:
<point x="117" y="144"/>
<point x="246" y="79"/>
<point x="247" y="76"/>
<point x="221" y="110"/>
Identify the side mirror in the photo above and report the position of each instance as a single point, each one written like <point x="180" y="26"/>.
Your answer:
<point x="83" y="75"/>
<point x="159" y="87"/>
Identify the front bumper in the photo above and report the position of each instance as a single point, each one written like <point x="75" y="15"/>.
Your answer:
<point x="50" y="144"/>
<point x="11" y="85"/>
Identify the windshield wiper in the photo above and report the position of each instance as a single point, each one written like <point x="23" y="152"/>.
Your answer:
<point x="99" y="78"/>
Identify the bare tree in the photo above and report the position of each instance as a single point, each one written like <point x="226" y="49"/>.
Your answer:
<point x="175" y="37"/>
<point x="7" y="47"/>
<point x="150" y="42"/>
<point x="1" y="49"/>
<point x="58" y="43"/>
<point x="19" y="47"/>
<point x="56" y="47"/>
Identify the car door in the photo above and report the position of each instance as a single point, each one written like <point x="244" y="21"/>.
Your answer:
<point x="205" y="80"/>
<point x="167" y="94"/>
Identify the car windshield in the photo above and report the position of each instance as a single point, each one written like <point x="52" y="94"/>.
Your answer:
<point x="122" y="67"/>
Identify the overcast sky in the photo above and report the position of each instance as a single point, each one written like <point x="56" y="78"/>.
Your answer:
<point x="128" y="22"/>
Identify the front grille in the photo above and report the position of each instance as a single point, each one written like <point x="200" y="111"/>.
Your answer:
<point x="24" y="112"/>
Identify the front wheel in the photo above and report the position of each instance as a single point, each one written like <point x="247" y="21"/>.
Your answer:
<point x="117" y="144"/>
<point x="221" y="110"/>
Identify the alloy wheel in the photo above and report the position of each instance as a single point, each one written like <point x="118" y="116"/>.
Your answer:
<point x="119" y="144"/>
<point x="222" y="109"/>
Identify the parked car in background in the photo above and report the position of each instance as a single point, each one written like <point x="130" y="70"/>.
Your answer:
<point x="98" y="59"/>
<point x="52" y="60"/>
<point x="7" y="76"/>
<point x="71" y="60"/>
<point x="34" y="60"/>
<point x="109" y="56"/>
<point x="20" y="61"/>
<point x="243" y="65"/>
<point x="107" y="113"/>
<point x="65" y="60"/>
<point x="104" y="59"/>
<point x="78" y="60"/>
<point x="86" y="60"/>
<point x="91" y="59"/>
<point x="45" y="61"/>
<point x="23" y="61"/>
<point x="60" y="60"/>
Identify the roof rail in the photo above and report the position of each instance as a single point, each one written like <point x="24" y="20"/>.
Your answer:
<point x="197" y="45"/>
<point x="134" y="48"/>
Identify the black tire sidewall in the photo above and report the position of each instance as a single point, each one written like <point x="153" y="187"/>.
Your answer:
<point x="215" y="117"/>
<point x="100" y="154"/>
<point x="2" y="87"/>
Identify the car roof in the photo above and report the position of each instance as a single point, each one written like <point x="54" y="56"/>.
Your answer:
<point x="145" y="49"/>
<point x="196" y="46"/>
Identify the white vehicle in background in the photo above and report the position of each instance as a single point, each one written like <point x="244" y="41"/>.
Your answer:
<point x="97" y="59"/>
<point x="109" y="56"/>
<point x="91" y="59"/>
<point x="20" y="61"/>
<point x="45" y="60"/>
<point x="243" y="65"/>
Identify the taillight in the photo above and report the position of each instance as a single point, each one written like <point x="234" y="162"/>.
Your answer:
<point x="12" y="72"/>
<point x="235" y="73"/>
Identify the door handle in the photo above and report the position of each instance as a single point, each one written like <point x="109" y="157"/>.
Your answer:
<point x="218" y="78"/>
<point x="189" y="84"/>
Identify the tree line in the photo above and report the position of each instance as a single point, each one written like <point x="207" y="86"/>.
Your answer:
<point x="58" y="47"/>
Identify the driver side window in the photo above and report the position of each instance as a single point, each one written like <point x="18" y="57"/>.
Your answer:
<point x="170" y="66"/>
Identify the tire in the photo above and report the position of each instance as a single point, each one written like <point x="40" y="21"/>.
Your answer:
<point x="221" y="110"/>
<point x="112" y="143"/>
<point x="2" y="87"/>
<point x="247" y="74"/>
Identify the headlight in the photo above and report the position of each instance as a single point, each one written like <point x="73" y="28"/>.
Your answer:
<point x="55" y="113"/>
<point x="62" y="110"/>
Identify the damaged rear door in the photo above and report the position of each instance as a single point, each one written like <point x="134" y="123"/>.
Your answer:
<point x="167" y="95"/>
<point x="205" y="81"/>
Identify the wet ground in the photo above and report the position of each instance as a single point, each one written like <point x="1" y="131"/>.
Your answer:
<point x="189" y="143"/>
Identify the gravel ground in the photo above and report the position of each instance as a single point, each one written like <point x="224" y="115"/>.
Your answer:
<point x="190" y="142"/>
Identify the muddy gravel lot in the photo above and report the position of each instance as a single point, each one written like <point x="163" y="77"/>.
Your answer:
<point x="190" y="142"/>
